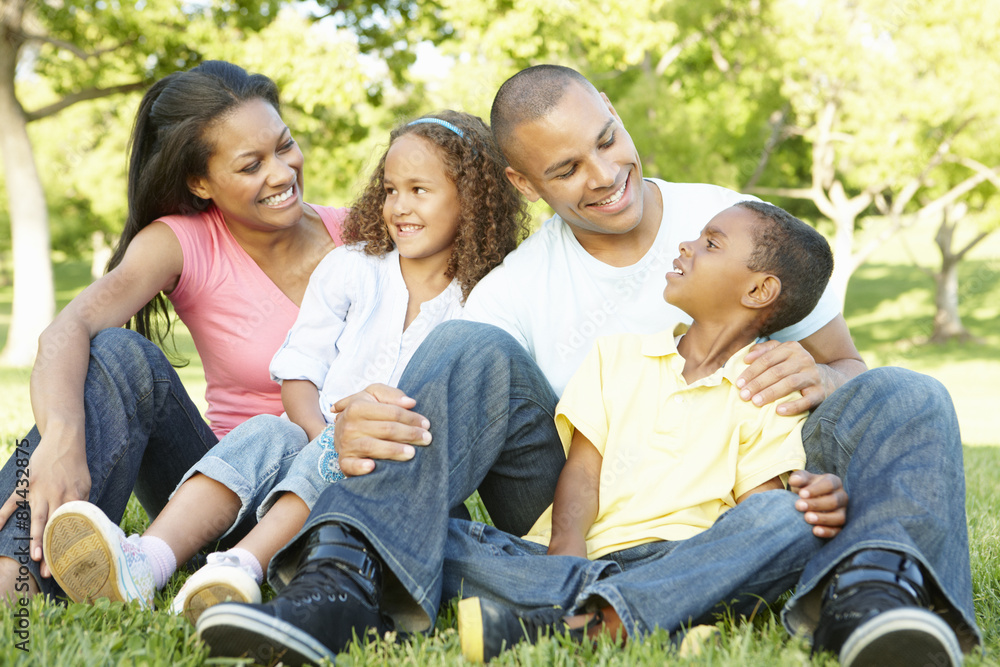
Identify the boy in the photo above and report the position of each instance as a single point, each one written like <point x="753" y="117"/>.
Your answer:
<point x="659" y="447"/>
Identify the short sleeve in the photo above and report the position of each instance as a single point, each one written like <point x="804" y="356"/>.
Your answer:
<point x="311" y="345"/>
<point x="769" y="446"/>
<point x="582" y="406"/>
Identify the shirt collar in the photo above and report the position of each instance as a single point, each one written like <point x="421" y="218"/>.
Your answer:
<point x="663" y="344"/>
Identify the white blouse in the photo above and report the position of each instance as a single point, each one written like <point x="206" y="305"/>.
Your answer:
<point x="349" y="332"/>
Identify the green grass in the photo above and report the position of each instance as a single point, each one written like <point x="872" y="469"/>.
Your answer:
<point x="889" y="312"/>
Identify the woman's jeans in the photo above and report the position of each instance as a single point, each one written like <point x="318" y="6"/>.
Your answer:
<point x="890" y="434"/>
<point x="142" y="432"/>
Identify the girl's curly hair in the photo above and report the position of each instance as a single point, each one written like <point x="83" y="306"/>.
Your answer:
<point x="494" y="217"/>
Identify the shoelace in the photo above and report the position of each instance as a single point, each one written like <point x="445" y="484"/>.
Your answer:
<point x="322" y="578"/>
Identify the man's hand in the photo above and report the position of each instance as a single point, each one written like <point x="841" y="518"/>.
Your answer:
<point x="777" y="369"/>
<point x="56" y="474"/>
<point x="377" y="423"/>
<point x="822" y="500"/>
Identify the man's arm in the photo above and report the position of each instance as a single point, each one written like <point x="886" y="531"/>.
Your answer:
<point x="577" y="498"/>
<point x="815" y="366"/>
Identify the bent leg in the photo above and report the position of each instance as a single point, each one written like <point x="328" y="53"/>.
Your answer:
<point x="893" y="436"/>
<point x="481" y="561"/>
<point x="134" y="404"/>
<point x="753" y="552"/>
<point x="491" y="415"/>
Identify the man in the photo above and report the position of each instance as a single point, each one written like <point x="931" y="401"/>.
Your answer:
<point x="371" y="553"/>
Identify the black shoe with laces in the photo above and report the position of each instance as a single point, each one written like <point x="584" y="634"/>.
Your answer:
<point x="487" y="628"/>
<point x="333" y="598"/>
<point x="876" y="611"/>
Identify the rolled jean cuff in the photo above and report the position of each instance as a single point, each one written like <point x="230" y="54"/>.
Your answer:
<point x="305" y="488"/>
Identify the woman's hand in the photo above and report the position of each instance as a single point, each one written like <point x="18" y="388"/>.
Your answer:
<point x="56" y="473"/>
<point x="822" y="501"/>
<point x="377" y="423"/>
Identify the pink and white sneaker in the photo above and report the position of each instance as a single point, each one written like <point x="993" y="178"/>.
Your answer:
<point x="91" y="558"/>
<point x="221" y="579"/>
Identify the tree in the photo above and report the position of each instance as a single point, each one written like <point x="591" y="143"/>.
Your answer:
<point x="81" y="50"/>
<point x="881" y="96"/>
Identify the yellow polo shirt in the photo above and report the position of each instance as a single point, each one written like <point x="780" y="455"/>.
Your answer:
<point x="676" y="456"/>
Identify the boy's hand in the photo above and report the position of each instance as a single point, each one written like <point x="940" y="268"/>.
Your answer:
<point x="822" y="500"/>
<point x="377" y="423"/>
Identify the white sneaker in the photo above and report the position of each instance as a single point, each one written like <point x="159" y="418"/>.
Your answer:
<point x="221" y="579"/>
<point x="91" y="558"/>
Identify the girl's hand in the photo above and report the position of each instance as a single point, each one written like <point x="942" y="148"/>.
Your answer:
<point x="56" y="473"/>
<point x="822" y="500"/>
<point x="377" y="423"/>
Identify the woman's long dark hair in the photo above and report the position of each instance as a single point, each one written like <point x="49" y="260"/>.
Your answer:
<point x="168" y="147"/>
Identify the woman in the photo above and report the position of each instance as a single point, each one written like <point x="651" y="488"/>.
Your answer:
<point x="217" y="225"/>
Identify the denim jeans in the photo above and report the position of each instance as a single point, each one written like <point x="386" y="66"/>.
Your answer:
<point x="259" y="460"/>
<point x="491" y="415"/>
<point x="142" y="432"/>
<point x="891" y="434"/>
<point x="753" y="552"/>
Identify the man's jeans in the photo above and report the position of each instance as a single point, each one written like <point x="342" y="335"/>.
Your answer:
<point x="890" y="434"/>
<point x="142" y="431"/>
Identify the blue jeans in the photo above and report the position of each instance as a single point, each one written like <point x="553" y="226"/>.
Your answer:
<point x="753" y="552"/>
<point x="259" y="460"/>
<point x="142" y="432"/>
<point x="890" y="434"/>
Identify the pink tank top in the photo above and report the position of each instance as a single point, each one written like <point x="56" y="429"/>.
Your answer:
<point x="237" y="316"/>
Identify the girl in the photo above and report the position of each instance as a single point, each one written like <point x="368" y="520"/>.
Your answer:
<point x="217" y="224"/>
<point x="436" y="216"/>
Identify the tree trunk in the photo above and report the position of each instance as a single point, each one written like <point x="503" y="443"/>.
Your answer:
<point x="843" y="256"/>
<point x="34" y="294"/>
<point x="947" y="321"/>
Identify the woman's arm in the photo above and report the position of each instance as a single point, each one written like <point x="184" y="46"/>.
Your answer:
<point x="58" y="467"/>
<point x="577" y="498"/>
<point x="300" y="399"/>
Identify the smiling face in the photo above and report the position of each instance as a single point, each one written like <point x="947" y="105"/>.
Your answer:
<point x="421" y="209"/>
<point x="710" y="277"/>
<point x="581" y="161"/>
<point x="255" y="172"/>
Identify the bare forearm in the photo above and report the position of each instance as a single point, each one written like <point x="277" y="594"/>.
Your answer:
<point x="577" y="499"/>
<point x="838" y="372"/>
<point x="300" y="399"/>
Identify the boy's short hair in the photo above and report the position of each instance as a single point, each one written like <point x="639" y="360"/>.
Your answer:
<point x="798" y="255"/>
<point x="528" y="95"/>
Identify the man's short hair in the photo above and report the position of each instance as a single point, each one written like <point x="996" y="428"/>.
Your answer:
<point x="798" y="255"/>
<point x="530" y="94"/>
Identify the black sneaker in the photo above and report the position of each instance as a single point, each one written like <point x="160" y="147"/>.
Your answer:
<point x="486" y="628"/>
<point x="333" y="597"/>
<point x="876" y="612"/>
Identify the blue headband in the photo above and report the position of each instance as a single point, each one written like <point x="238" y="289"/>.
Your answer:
<point x="438" y="121"/>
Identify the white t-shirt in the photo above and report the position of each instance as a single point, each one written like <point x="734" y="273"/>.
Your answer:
<point x="555" y="298"/>
<point x="349" y="332"/>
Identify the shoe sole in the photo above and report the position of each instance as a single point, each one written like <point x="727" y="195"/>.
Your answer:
<point x="208" y="595"/>
<point x="908" y="637"/>
<point x="470" y="629"/>
<point x="78" y="555"/>
<point x="236" y="631"/>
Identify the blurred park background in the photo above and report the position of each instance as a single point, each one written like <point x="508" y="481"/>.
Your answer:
<point x="878" y="121"/>
<point x="875" y="120"/>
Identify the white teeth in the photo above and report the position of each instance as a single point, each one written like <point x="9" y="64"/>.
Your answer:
<point x="277" y="199"/>
<point x="615" y="197"/>
<point x="409" y="228"/>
